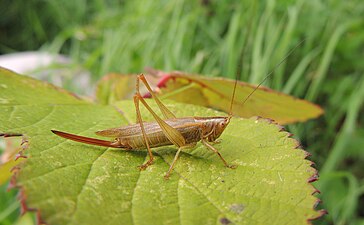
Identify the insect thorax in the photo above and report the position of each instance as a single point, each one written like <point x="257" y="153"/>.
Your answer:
<point x="212" y="127"/>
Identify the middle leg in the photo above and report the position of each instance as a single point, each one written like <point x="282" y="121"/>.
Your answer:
<point x="176" y="157"/>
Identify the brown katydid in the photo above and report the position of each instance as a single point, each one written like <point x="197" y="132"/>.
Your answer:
<point x="181" y="132"/>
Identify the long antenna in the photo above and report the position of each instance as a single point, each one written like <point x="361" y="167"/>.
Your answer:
<point x="271" y="72"/>
<point x="238" y="72"/>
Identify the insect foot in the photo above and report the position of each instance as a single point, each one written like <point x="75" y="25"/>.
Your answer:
<point x="232" y="166"/>
<point x="145" y="165"/>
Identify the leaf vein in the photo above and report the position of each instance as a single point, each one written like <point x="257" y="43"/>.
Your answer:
<point x="84" y="184"/>
<point x="132" y="197"/>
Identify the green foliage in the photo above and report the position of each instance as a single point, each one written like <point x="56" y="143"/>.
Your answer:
<point x="207" y="37"/>
<point x="8" y="206"/>
<point x="73" y="183"/>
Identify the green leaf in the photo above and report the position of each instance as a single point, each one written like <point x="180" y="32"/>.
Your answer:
<point x="216" y="93"/>
<point x="5" y="169"/>
<point x="113" y="87"/>
<point x="74" y="183"/>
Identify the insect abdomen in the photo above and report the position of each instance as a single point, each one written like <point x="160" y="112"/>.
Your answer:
<point x="157" y="139"/>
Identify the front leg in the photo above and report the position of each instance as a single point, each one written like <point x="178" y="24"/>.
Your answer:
<point x="209" y="146"/>
<point x="217" y="141"/>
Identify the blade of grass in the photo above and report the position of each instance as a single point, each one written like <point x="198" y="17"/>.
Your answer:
<point x="343" y="137"/>
<point x="325" y="62"/>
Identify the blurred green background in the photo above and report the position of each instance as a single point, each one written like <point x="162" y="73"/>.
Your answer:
<point x="207" y="37"/>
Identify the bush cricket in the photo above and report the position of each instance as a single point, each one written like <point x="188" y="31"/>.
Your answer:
<point x="181" y="132"/>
